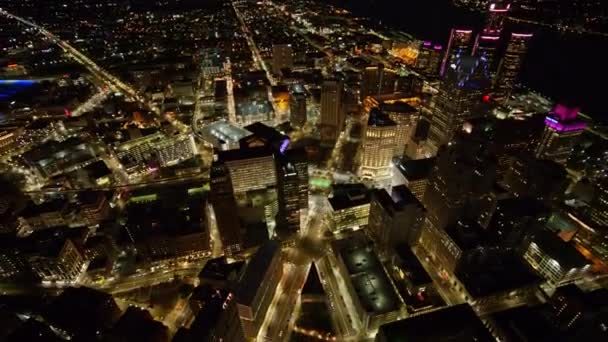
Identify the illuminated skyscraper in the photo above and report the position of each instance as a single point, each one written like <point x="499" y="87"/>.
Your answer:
<point x="332" y="116"/>
<point x="297" y="106"/>
<point x="378" y="145"/>
<point x="511" y="63"/>
<point x="405" y="116"/>
<point x="562" y="132"/>
<point x="488" y="41"/>
<point x="462" y="87"/>
<point x="495" y="20"/>
<point x="377" y="81"/>
<point x="458" y="45"/>
<point x="429" y="59"/>
<point x="292" y="184"/>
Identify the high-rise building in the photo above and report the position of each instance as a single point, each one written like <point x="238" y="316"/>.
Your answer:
<point x="395" y="218"/>
<point x="510" y="65"/>
<point x="246" y="167"/>
<point x="413" y="173"/>
<point x="299" y="159"/>
<point x="377" y="80"/>
<point x="486" y="48"/>
<point x="464" y="170"/>
<point x="496" y="15"/>
<point x="462" y="87"/>
<point x="376" y="151"/>
<point x="221" y="197"/>
<point x="244" y="314"/>
<point x="288" y="184"/>
<point x="557" y="261"/>
<point x="297" y="106"/>
<point x="562" y="132"/>
<point x="460" y="44"/>
<point x="429" y="59"/>
<point x="598" y="208"/>
<point x="488" y="41"/>
<point x="332" y="115"/>
<point x="528" y="176"/>
<point x="405" y="116"/>
<point x="282" y="57"/>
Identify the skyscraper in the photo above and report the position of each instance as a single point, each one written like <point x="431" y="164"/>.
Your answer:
<point x="462" y="87"/>
<point x="562" y="132"/>
<point x="510" y="65"/>
<point x="292" y="184"/>
<point x="297" y="106"/>
<point x="488" y="41"/>
<point x="332" y="116"/>
<point x="395" y="218"/>
<point x="377" y="80"/>
<point x="282" y="57"/>
<point x="429" y="59"/>
<point x="405" y="116"/>
<point x="464" y="170"/>
<point x="378" y="145"/>
<point x="458" y="45"/>
<point x="222" y="199"/>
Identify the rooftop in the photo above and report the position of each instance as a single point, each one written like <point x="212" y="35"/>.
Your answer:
<point x="416" y="169"/>
<point x="457" y="323"/>
<point x="486" y="271"/>
<point x="349" y="196"/>
<point x="379" y="119"/>
<point x="255" y="271"/>
<point x="372" y="285"/>
<point x="563" y="252"/>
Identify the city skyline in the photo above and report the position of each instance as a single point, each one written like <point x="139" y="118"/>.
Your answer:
<point x="285" y="170"/>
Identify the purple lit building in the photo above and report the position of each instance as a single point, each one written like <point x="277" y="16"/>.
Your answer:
<point x="459" y="44"/>
<point x="562" y="131"/>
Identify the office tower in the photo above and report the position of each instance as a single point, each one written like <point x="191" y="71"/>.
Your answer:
<point x="540" y="179"/>
<point x="486" y="48"/>
<point x="282" y="57"/>
<point x="332" y="116"/>
<point x="414" y="174"/>
<point x="288" y="184"/>
<point x="562" y="132"/>
<point x="598" y="207"/>
<point x="405" y="117"/>
<point x="349" y="207"/>
<point x="557" y="261"/>
<point x="297" y="106"/>
<point x="250" y="168"/>
<point x="460" y="44"/>
<point x="244" y="314"/>
<point x="377" y="80"/>
<point x="376" y="151"/>
<point x="496" y="15"/>
<point x="299" y="159"/>
<point x="461" y="89"/>
<point x="429" y="59"/>
<point x="221" y="197"/>
<point x="488" y="41"/>
<point x="396" y="218"/>
<point x="464" y="170"/>
<point x="510" y="65"/>
<point x="264" y="136"/>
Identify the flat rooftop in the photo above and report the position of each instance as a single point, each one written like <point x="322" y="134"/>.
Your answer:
<point x="416" y="169"/>
<point x="372" y="285"/>
<point x="457" y="323"/>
